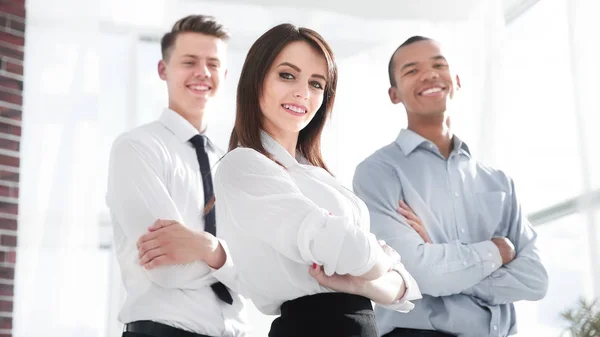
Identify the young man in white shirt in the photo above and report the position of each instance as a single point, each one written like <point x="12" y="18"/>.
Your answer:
<point x="161" y="170"/>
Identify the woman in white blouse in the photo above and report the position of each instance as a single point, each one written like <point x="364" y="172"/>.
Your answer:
<point x="299" y="240"/>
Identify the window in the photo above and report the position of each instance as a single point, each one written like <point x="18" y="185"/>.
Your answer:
<point x="544" y="144"/>
<point x="535" y="133"/>
<point x="563" y="246"/>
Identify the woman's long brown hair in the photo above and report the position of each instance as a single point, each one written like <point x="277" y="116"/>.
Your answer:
<point x="260" y="58"/>
<point x="249" y="117"/>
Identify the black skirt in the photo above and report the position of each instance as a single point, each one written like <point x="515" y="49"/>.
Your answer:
<point x="326" y="315"/>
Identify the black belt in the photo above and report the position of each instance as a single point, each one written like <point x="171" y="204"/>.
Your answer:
<point x="155" y="329"/>
<point x="404" y="332"/>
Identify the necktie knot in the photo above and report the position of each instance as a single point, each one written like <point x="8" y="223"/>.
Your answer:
<point x="199" y="141"/>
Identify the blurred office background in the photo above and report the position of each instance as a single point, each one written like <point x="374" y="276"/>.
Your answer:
<point x="76" y="73"/>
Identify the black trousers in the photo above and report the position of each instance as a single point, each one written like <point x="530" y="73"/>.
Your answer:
<point x="403" y="332"/>
<point x="155" y="329"/>
<point x="326" y="315"/>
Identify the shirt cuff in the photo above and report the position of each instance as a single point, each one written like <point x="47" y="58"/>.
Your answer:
<point x="225" y="274"/>
<point x="489" y="256"/>
<point x="411" y="293"/>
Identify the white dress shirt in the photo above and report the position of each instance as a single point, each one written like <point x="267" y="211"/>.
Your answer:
<point x="278" y="221"/>
<point x="154" y="174"/>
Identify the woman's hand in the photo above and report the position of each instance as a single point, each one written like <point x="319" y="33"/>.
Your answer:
<point x="341" y="283"/>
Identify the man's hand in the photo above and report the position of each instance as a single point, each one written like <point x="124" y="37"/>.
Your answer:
<point x="506" y="248"/>
<point x="413" y="220"/>
<point x="169" y="242"/>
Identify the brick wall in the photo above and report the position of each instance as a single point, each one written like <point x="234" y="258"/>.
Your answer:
<point x="12" y="36"/>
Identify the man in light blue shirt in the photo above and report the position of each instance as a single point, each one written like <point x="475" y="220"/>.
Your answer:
<point x="460" y="230"/>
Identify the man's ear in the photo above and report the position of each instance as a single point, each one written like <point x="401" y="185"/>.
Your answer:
<point x="458" y="86"/>
<point x="394" y="97"/>
<point x="162" y="70"/>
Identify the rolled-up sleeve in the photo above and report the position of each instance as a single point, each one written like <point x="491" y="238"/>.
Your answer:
<point x="264" y="202"/>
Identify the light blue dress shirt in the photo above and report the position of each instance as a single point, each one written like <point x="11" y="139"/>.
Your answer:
<point x="463" y="205"/>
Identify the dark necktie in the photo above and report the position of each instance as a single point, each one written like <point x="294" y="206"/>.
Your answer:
<point x="209" y="218"/>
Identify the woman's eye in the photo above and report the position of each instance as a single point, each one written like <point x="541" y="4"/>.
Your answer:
<point x="286" y="76"/>
<point x="316" y="85"/>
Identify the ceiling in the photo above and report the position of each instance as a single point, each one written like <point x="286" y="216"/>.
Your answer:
<point x="434" y="10"/>
<point x="350" y="24"/>
<point x="159" y="14"/>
